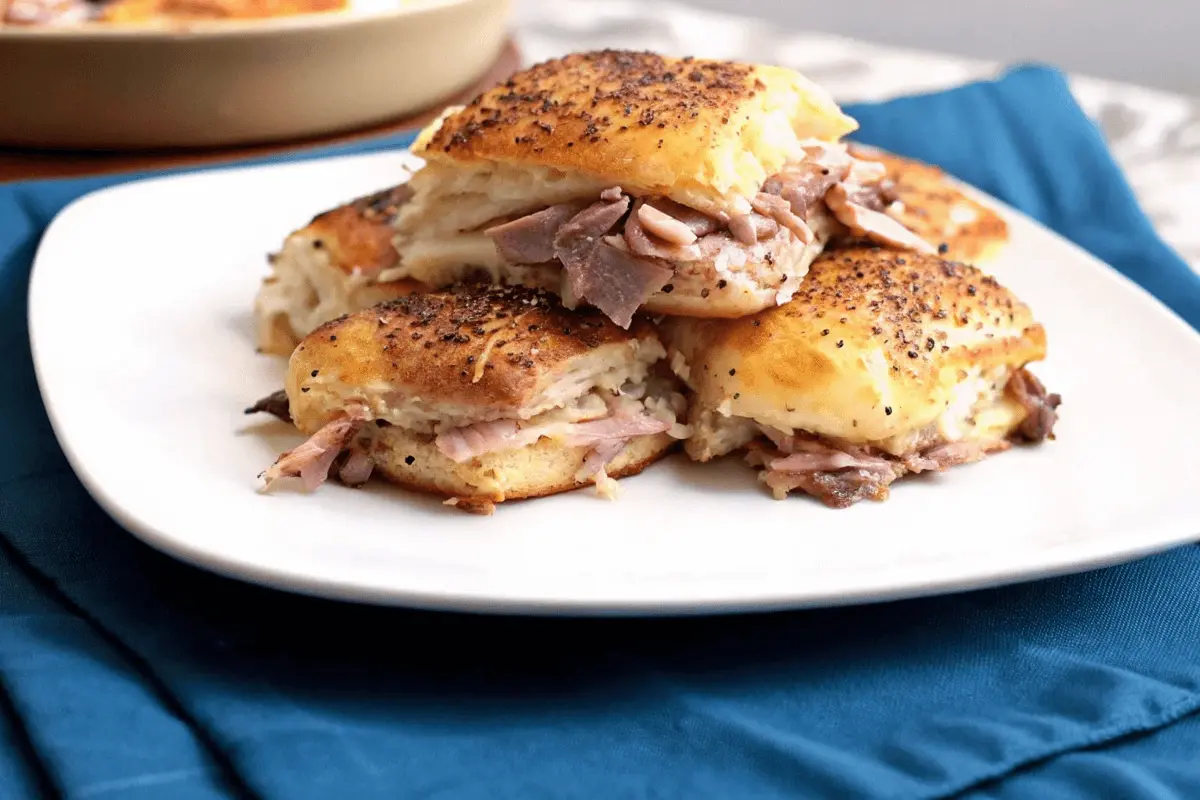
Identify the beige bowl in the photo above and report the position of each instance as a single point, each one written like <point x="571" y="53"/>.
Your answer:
<point x="239" y="82"/>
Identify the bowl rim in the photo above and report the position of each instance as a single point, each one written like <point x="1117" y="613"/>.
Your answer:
<point x="211" y="29"/>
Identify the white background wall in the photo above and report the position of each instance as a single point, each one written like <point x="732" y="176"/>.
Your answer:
<point x="1149" y="42"/>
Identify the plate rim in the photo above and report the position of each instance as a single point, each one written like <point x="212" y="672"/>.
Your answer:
<point x="1167" y="530"/>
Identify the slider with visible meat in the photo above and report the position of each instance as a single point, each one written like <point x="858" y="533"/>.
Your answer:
<point x="481" y="394"/>
<point x="884" y="364"/>
<point x="328" y="268"/>
<point x="630" y="181"/>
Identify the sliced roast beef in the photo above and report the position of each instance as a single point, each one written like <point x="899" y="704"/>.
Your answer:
<point x="1026" y="389"/>
<point x="834" y="489"/>
<point x="751" y="228"/>
<point x="617" y="282"/>
<point x="697" y="221"/>
<point x="275" y="404"/>
<point x="311" y="460"/>
<point x="664" y="226"/>
<point x="840" y="474"/>
<point x="530" y="239"/>
<point x="874" y="225"/>
<point x="614" y="281"/>
<point x="828" y="461"/>
<point x="644" y="243"/>
<point x="463" y="444"/>
<point x="778" y="209"/>
<point x="617" y="273"/>
<point x="804" y="185"/>
<point x="873" y="196"/>
<point x="851" y="190"/>
<point x="599" y="458"/>
<point x="618" y="427"/>
<point x="576" y="237"/>
<point x="804" y="453"/>
<point x="357" y="467"/>
<point x="944" y="456"/>
<point x="713" y="245"/>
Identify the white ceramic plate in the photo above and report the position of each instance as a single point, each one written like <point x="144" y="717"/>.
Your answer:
<point x="159" y="277"/>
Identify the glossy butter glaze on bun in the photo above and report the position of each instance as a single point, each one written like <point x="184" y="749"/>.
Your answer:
<point x="631" y="181"/>
<point x="883" y="364"/>
<point x="724" y="126"/>
<point x="480" y="393"/>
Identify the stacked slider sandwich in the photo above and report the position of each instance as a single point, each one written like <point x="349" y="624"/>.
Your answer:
<point x="602" y="216"/>
<point x="884" y="364"/>
<point x="328" y="268"/>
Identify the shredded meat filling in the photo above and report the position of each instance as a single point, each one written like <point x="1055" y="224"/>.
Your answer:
<point x="840" y="474"/>
<point x="876" y="226"/>
<point x="752" y="227"/>
<point x="655" y="234"/>
<point x="530" y="239"/>
<point x="780" y="210"/>
<point x="1040" y="407"/>
<point x="311" y="460"/>
<point x="834" y="489"/>
<point x="804" y="185"/>
<point x="647" y="240"/>
<point x="276" y="404"/>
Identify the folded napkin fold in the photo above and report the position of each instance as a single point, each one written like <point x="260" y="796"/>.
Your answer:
<point x="126" y="674"/>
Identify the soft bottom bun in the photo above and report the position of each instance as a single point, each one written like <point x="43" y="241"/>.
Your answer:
<point x="543" y="468"/>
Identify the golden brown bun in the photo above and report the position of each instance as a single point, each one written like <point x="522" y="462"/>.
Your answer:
<point x="328" y="268"/>
<point x="875" y="345"/>
<point x="938" y="212"/>
<point x="544" y="468"/>
<point x="473" y="347"/>
<point x="277" y="335"/>
<point x="358" y="235"/>
<point x="697" y="131"/>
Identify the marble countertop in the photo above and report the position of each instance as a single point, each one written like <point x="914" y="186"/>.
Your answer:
<point x="1154" y="135"/>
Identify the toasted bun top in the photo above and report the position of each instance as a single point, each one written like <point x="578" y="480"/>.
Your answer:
<point x="938" y="211"/>
<point x="358" y="235"/>
<point x="472" y="350"/>
<point x="695" y="130"/>
<point x="875" y="345"/>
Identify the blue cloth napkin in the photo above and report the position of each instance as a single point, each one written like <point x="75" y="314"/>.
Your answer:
<point x="124" y="674"/>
